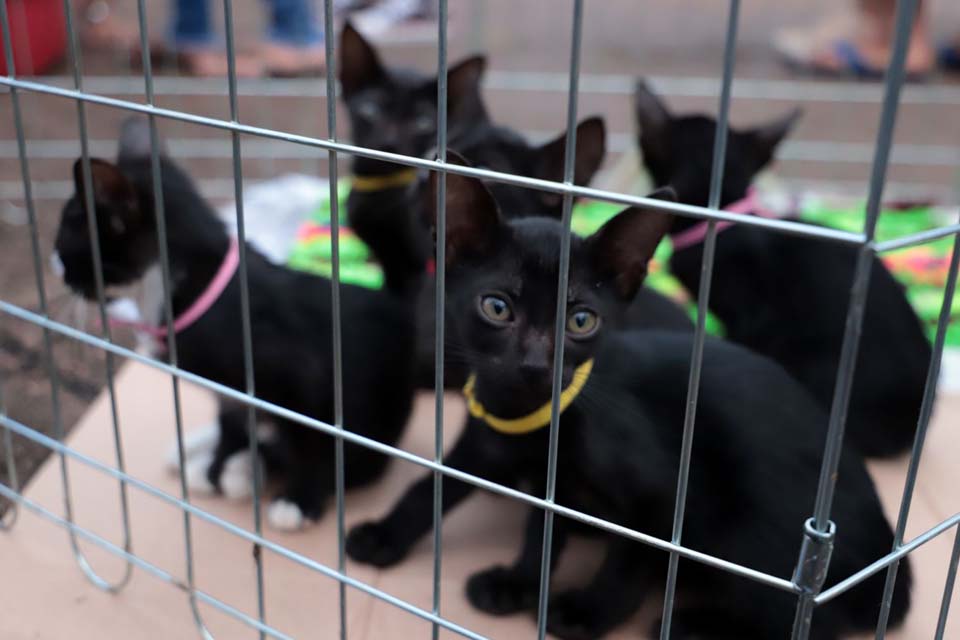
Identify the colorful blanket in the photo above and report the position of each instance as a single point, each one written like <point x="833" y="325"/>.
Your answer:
<point x="922" y="269"/>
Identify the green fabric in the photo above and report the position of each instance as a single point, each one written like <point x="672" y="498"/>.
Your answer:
<point x="922" y="269"/>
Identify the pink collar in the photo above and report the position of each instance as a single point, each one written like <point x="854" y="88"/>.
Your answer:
<point x="749" y="205"/>
<point x="201" y="305"/>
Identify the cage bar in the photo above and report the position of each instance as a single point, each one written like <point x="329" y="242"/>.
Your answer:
<point x="80" y="557"/>
<point x="703" y="296"/>
<point x="440" y="318"/>
<point x="248" y="371"/>
<point x="559" y="330"/>
<point x="137" y="561"/>
<point x="56" y="446"/>
<point x="851" y="339"/>
<point x="691" y="211"/>
<point x="9" y="518"/>
<point x="948" y="587"/>
<point x="923" y="423"/>
<point x="396" y="453"/>
<point x="865" y="241"/>
<point x="331" y="93"/>
<point x="161" y="221"/>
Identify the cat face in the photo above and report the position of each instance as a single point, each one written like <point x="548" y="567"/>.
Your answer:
<point x="678" y="150"/>
<point x="396" y="111"/>
<point x="125" y="230"/>
<point x="502" y="286"/>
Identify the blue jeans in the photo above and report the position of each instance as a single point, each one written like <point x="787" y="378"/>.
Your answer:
<point x="292" y="23"/>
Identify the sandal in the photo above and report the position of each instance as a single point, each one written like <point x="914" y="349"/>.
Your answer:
<point x="949" y="57"/>
<point x="849" y="62"/>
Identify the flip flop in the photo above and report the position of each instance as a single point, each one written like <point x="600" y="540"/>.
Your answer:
<point x="949" y="57"/>
<point x="852" y="64"/>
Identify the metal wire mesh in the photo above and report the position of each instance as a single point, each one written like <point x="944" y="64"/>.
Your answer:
<point x="820" y="524"/>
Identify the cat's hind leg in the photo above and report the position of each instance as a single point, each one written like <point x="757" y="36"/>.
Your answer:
<point x="309" y="478"/>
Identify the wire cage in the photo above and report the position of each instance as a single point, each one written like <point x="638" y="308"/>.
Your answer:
<point x="817" y="532"/>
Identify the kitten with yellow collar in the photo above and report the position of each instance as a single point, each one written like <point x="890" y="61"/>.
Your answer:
<point x="756" y="456"/>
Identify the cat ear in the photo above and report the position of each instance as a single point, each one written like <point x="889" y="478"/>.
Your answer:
<point x="473" y="218"/>
<point x="360" y="64"/>
<point x="591" y="147"/>
<point x="653" y="126"/>
<point x="765" y="139"/>
<point x="621" y="248"/>
<point x="113" y="194"/>
<point x="463" y="85"/>
<point x="651" y="113"/>
<point x="135" y="139"/>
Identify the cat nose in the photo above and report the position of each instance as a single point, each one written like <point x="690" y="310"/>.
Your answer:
<point x="536" y="363"/>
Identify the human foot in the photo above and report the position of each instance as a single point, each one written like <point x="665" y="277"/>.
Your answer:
<point x="208" y="63"/>
<point x="287" y="60"/>
<point x="852" y="45"/>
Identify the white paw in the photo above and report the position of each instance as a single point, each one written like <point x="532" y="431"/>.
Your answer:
<point x="201" y="440"/>
<point x="283" y="515"/>
<point x="236" y="481"/>
<point x="196" y="472"/>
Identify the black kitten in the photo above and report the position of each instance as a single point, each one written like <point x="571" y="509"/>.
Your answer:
<point x="786" y="296"/>
<point x="756" y="457"/>
<point x="395" y="110"/>
<point x="291" y="327"/>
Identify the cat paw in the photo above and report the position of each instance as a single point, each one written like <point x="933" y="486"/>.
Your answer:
<point x="374" y="543"/>
<point x="574" y="615"/>
<point x="200" y="440"/>
<point x="198" y="478"/>
<point x="236" y="479"/>
<point x="284" y="515"/>
<point x="500" y="591"/>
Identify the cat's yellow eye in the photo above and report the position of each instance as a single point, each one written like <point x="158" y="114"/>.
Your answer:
<point x="582" y="323"/>
<point x="496" y="309"/>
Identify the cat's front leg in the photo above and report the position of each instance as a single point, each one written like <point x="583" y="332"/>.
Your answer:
<point x="387" y="542"/>
<point x="504" y="590"/>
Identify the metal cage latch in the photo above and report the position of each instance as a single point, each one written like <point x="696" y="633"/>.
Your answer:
<point x="811" y="571"/>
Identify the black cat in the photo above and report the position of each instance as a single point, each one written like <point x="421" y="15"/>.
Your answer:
<point x="395" y="110"/>
<point x="291" y="328"/>
<point x="756" y="457"/>
<point x="787" y="296"/>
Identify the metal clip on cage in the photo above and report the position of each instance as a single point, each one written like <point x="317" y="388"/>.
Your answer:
<point x="812" y="565"/>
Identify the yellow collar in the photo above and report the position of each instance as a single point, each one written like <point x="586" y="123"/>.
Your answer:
<point x="366" y="184"/>
<point x="532" y="421"/>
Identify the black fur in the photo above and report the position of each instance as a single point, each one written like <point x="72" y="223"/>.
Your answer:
<point x="291" y="324"/>
<point x="786" y="296"/>
<point x="756" y="456"/>
<point x="395" y="110"/>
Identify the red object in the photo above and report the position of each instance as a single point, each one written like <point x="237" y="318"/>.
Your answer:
<point x="38" y="34"/>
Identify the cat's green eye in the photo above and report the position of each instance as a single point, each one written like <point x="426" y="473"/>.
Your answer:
<point x="582" y="323"/>
<point x="496" y="309"/>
